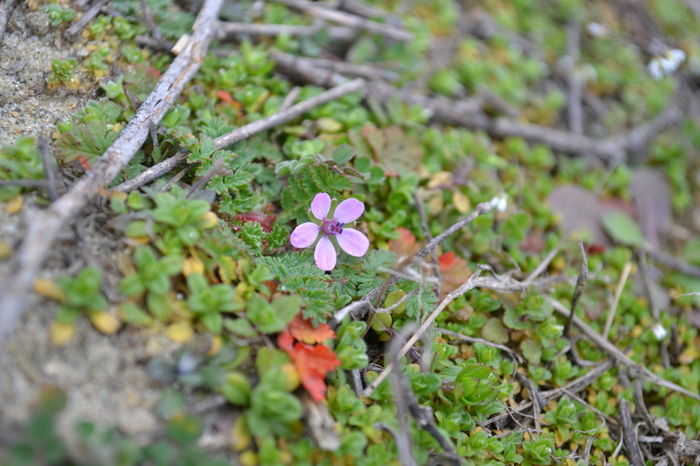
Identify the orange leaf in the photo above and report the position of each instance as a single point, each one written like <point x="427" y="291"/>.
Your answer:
<point x="285" y="341"/>
<point x="224" y="96"/>
<point x="313" y="363"/>
<point x="454" y="272"/>
<point x="405" y="245"/>
<point x="303" y="330"/>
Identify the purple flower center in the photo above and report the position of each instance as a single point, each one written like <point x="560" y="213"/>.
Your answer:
<point x="332" y="228"/>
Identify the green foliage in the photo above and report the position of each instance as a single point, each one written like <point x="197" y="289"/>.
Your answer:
<point x="58" y="14"/>
<point x="231" y="273"/>
<point x="83" y="294"/>
<point x="19" y="162"/>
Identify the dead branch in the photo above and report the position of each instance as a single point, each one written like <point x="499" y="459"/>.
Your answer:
<point x="619" y="356"/>
<point x="616" y="300"/>
<point x="578" y="291"/>
<point x="671" y="261"/>
<point x="150" y="22"/>
<point x="574" y="386"/>
<point x="629" y="434"/>
<point x="467" y="113"/>
<point x="346" y="19"/>
<point x="72" y="32"/>
<point x="360" y="8"/>
<point x="467" y="339"/>
<point x="226" y="31"/>
<point x="44" y="227"/>
<point x="359" y="308"/>
<point x="47" y="159"/>
<point x="403" y="395"/>
<point x="406" y="403"/>
<point x="243" y="132"/>
<point x="470" y="284"/>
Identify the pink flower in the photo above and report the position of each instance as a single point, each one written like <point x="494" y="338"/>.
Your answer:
<point x="350" y="240"/>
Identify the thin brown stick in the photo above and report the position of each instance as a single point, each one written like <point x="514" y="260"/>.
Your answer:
<point x="6" y="8"/>
<point x="616" y="354"/>
<point x="574" y="386"/>
<point x="672" y="262"/>
<point x="44" y="227"/>
<point x="616" y="300"/>
<point x="25" y="183"/>
<point x="150" y="22"/>
<point x="464" y="338"/>
<point x="629" y="434"/>
<point x="75" y="28"/>
<point x="578" y="291"/>
<point x="359" y="308"/>
<point x="360" y="8"/>
<point x="347" y="19"/>
<point x="402" y="398"/>
<point x="420" y="206"/>
<point x="227" y="31"/>
<point x="244" y="132"/>
<point x="43" y="145"/>
<point x="467" y="113"/>
<point x="470" y="284"/>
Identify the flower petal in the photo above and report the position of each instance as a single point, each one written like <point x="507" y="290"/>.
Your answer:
<point x="353" y="242"/>
<point x="304" y="235"/>
<point x="348" y="211"/>
<point x="325" y="254"/>
<point x="321" y="205"/>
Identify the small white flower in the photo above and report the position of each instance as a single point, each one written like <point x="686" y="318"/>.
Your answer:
<point x="659" y="331"/>
<point x="500" y="203"/>
<point x="597" y="29"/>
<point x="655" y="69"/>
<point x="666" y="64"/>
<point x="676" y="55"/>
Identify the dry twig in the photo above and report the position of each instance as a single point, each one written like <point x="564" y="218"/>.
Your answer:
<point x="44" y="227"/>
<point x="244" y="132"/>
<point x="467" y="113"/>
<point x="346" y="19"/>
<point x="470" y="284"/>
<point x="629" y="433"/>
<point x="359" y="308"/>
<point x="72" y="32"/>
<point x="227" y="31"/>
<point x="616" y="300"/>
<point x="619" y="356"/>
<point x="578" y="291"/>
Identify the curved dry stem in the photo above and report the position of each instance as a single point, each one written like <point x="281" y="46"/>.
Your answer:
<point x="44" y="227"/>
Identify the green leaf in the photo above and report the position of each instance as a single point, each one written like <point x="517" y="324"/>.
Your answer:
<point x="623" y="229"/>
<point x="495" y="331"/>
<point x="343" y="154"/>
<point x="184" y="428"/>
<point x="532" y="350"/>
<point x="213" y="322"/>
<point x="240" y="327"/>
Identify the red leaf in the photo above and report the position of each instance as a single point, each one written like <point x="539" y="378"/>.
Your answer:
<point x="265" y="220"/>
<point x="224" y="96"/>
<point x="313" y="363"/>
<point x="285" y="341"/>
<point x="303" y="330"/>
<point x="454" y="272"/>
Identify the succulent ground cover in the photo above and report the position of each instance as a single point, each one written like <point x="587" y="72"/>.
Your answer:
<point x="427" y="232"/>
